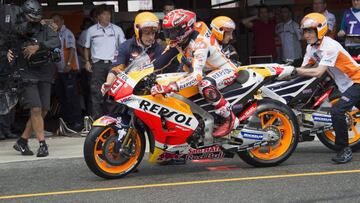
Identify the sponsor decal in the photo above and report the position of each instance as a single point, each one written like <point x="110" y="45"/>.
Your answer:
<point x="252" y="136"/>
<point x="216" y="155"/>
<point x="249" y="111"/>
<point x="205" y="150"/>
<point x="191" y="21"/>
<point x="228" y="81"/>
<point x="165" y="112"/>
<point x="213" y="152"/>
<point x="317" y="57"/>
<point x="221" y="73"/>
<point x="322" y="98"/>
<point x="176" y="22"/>
<point x="170" y="156"/>
<point x="307" y="91"/>
<point x="145" y="66"/>
<point x="207" y="34"/>
<point x="123" y="76"/>
<point x="328" y="60"/>
<point x="187" y="84"/>
<point x="125" y="100"/>
<point x="116" y="86"/>
<point x="322" y="119"/>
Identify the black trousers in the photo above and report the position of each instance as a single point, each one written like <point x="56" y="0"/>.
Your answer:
<point x="98" y="77"/>
<point x="68" y="96"/>
<point x="6" y="121"/>
<point x="349" y="99"/>
<point x="85" y="82"/>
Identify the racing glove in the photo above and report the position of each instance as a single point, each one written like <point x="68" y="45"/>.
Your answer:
<point x="294" y="73"/>
<point x="287" y="72"/>
<point x="164" y="89"/>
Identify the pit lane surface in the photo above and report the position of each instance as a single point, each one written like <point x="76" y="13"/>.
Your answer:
<point x="308" y="176"/>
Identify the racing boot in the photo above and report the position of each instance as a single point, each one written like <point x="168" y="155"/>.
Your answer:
<point x="231" y="121"/>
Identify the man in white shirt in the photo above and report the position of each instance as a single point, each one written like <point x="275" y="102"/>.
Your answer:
<point x="66" y="80"/>
<point x="319" y="6"/>
<point x="290" y="36"/>
<point x="102" y="41"/>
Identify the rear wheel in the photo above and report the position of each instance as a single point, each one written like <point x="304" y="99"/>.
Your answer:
<point x="353" y="120"/>
<point x="279" y="118"/>
<point x="104" y="161"/>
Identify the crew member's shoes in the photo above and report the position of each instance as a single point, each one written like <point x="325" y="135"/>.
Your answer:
<point x="43" y="151"/>
<point x="23" y="148"/>
<point x="343" y="156"/>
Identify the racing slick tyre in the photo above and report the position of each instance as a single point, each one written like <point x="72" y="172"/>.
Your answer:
<point x="279" y="118"/>
<point x="108" y="163"/>
<point x="353" y="120"/>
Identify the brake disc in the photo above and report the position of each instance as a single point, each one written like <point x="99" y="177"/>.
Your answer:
<point x="116" y="159"/>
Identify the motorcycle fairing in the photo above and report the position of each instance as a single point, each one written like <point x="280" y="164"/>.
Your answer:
<point x="104" y="121"/>
<point x="170" y="120"/>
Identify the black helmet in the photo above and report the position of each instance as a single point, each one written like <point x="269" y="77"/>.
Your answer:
<point x="33" y="9"/>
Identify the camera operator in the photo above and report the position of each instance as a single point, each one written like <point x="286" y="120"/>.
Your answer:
<point x="32" y="57"/>
<point x="6" y="99"/>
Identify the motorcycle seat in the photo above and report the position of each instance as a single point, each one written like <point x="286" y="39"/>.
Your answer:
<point x="242" y="77"/>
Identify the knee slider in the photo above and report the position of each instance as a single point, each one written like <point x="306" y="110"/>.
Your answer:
<point x="211" y="94"/>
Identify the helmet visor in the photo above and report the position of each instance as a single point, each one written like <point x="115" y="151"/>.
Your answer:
<point x="173" y="33"/>
<point x="149" y="30"/>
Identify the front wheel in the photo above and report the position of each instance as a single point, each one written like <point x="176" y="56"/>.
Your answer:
<point x="104" y="161"/>
<point x="277" y="116"/>
<point x="353" y="120"/>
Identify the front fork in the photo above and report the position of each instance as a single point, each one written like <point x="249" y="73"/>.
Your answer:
<point x="122" y="123"/>
<point x="125" y="142"/>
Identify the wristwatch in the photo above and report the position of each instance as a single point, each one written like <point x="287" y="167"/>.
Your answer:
<point x="68" y="63"/>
